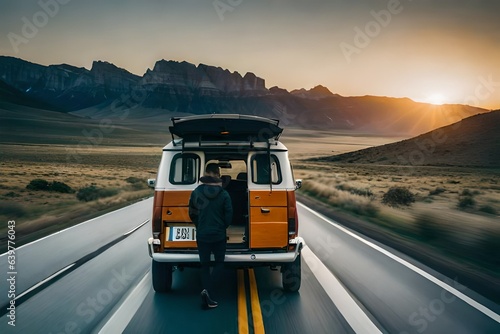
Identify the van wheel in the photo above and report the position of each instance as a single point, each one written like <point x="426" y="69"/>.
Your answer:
<point x="162" y="276"/>
<point x="291" y="275"/>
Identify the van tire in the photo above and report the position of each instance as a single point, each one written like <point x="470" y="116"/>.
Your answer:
<point x="291" y="275"/>
<point x="162" y="276"/>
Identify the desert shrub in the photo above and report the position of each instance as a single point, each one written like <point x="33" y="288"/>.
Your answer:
<point x="362" y="192"/>
<point x="429" y="228"/>
<point x="61" y="187"/>
<point x="91" y="193"/>
<point x="12" y="194"/>
<point x="436" y="191"/>
<point x="469" y="193"/>
<point x="466" y="202"/>
<point x="133" y="179"/>
<point x="355" y="191"/>
<point x="139" y="186"/>
<point x="466" y="192"/>
<point x="342" y="199"/>
<point x="488" y="209"/>
<point x="136" y="183"/>
<point x="38" y="184"/>
<point x="397" y="196"/>
<point x="41" y="184"/>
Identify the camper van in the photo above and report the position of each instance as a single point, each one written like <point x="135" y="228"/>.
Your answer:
<point x="258" y="176"/>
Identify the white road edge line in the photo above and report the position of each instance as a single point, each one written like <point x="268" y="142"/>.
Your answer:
<point x="353" y="314"/>
<point x="70" y="265"/>
<point x="43" y="281"/>
<point x="68" y="228"/>
<point x="136" y="228"/>
<point x="480" y="307"/>
<point x="125" y="312"/>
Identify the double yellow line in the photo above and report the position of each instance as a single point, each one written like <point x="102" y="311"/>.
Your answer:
<point x="258" y="323"/>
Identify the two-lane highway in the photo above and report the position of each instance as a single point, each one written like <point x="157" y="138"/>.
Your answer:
<point x="350" y="284"/>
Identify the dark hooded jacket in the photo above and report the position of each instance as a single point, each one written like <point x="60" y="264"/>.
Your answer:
<point x="210" y="210"/>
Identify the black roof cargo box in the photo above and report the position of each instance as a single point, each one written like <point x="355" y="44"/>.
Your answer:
<point x="225" y="127"/>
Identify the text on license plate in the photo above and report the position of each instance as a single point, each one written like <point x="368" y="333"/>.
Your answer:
<point x="182" y="233"/>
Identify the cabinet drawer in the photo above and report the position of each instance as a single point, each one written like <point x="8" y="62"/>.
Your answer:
<point x="267" y="198"/>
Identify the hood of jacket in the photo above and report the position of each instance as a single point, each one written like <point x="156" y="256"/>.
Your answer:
<point x="211" y="186"/>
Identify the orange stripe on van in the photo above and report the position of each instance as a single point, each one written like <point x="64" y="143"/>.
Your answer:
<point x="180" y="244"/>
<point x="268" y="198"/>
<point x="176" y="198"/>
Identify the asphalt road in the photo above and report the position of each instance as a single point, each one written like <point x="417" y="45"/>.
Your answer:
<point x="95" y="278"/>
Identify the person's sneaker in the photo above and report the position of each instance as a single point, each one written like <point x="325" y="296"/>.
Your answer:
<point x="206" y="301"/>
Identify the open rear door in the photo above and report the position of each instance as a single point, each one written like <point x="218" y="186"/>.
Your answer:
<point x="225" y="127"/>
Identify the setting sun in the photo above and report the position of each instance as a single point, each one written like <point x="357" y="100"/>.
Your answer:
<point x="437" y="99"/>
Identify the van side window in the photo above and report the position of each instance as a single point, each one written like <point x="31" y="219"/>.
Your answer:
<point x="262" y="169"/>
<point x="185" y="169"/>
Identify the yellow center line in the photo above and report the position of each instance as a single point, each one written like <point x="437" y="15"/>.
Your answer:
<point x="258" y="323"/>
<point x="242" y="304"/>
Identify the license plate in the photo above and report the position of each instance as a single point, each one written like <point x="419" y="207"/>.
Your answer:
<point x="182" y="233"/>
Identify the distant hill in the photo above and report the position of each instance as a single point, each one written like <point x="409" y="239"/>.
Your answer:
<point x="172" y="87"/>
<point x="474" y="141"/>
<point x="13" y="96"/>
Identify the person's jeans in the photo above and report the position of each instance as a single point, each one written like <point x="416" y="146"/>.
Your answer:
<point x="218" y="248"/>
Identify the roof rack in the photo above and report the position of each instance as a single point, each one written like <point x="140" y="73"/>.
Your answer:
<point x="218" y="130"/>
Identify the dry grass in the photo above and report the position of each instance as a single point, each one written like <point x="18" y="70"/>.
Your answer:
<point x="435" y="219"/>
<point x="38" y="213"/>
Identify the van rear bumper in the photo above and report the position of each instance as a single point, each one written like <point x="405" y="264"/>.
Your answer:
<point x="255" y="257"/>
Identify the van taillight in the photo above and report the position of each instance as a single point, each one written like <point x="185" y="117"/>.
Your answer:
<point x="157" y="207"/>
<point x="293" y="221"/>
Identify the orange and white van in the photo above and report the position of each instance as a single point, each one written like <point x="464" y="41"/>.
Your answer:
<point x="257" y="175"/>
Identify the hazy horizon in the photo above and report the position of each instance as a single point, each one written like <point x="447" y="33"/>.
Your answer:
<point x="429" y="51"/>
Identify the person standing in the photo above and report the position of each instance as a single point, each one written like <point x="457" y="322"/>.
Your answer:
<point x="211" y="211"/>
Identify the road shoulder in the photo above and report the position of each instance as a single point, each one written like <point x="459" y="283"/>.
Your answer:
<point x="482" y="283"/>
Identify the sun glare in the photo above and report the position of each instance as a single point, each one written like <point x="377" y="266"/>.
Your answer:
<point x="437" y="99"/>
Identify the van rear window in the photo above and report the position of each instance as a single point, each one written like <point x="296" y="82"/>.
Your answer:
<point x="185" y="168"/>
<point x="265" y="167"/>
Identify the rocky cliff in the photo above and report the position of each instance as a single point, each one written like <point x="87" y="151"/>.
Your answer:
<point x="186" y="88"/>
<point x="202" y="80"/>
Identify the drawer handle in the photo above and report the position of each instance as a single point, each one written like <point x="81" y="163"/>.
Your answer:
<point x="169" y="212"/>
<point x="264" y="210"/>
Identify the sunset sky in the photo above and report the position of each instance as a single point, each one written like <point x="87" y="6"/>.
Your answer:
<point x="439" y="51"/>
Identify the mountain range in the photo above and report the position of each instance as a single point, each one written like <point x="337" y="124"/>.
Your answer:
<point x="172" y="87"/>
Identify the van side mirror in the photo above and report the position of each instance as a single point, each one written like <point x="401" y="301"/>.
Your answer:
<point x="151" y="183"/>
<point x="298" y="183"/>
